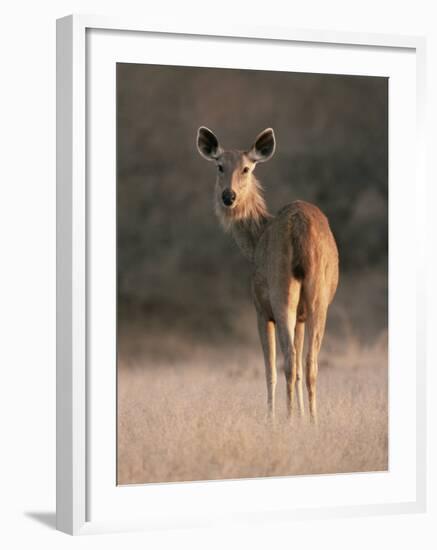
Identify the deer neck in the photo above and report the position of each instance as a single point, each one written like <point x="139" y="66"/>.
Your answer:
<point x="247" y="221"/>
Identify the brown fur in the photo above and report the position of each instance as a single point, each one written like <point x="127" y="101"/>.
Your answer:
<point x="295" y="263"/>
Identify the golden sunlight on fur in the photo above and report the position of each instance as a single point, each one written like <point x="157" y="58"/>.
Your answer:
<point x="294" y="258"/>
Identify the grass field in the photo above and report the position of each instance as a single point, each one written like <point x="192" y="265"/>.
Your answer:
<point x="202" y="415"/>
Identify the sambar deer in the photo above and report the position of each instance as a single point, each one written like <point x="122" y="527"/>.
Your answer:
<point x="294" y="258"/>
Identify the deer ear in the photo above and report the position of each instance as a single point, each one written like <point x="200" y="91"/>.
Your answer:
<point x="208" y="144"/>
<point x="264" y="146"/>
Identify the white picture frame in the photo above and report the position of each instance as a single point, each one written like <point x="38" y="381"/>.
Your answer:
<point x="74" y="295"/>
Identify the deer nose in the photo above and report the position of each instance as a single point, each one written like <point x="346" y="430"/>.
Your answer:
<point x="228" y="197"/>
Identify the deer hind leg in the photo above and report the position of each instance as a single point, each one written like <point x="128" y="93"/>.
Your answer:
<point x="285" y="316"/>
<point x="266" y="329"/>
<point x="316" y="328"/>
<point x="299" y="334"/>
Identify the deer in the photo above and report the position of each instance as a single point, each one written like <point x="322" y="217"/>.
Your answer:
<point x="295" y="264"/>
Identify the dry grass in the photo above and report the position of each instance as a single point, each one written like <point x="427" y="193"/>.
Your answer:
<point x="205" y="418"/>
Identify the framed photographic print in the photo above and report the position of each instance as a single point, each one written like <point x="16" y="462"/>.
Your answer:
<point x="240" y="333"/>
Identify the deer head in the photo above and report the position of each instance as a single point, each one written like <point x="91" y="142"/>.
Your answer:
<point x="235" y="182"/>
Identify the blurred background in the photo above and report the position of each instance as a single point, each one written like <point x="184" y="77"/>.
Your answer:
<point x="177" y="270"/>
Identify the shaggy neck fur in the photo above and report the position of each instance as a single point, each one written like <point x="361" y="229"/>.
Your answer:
<point x="247" y="220"/>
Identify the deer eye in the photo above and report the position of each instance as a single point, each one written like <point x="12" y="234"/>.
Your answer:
<point x="245" y="170"/>
<point x="220" y="168"/>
